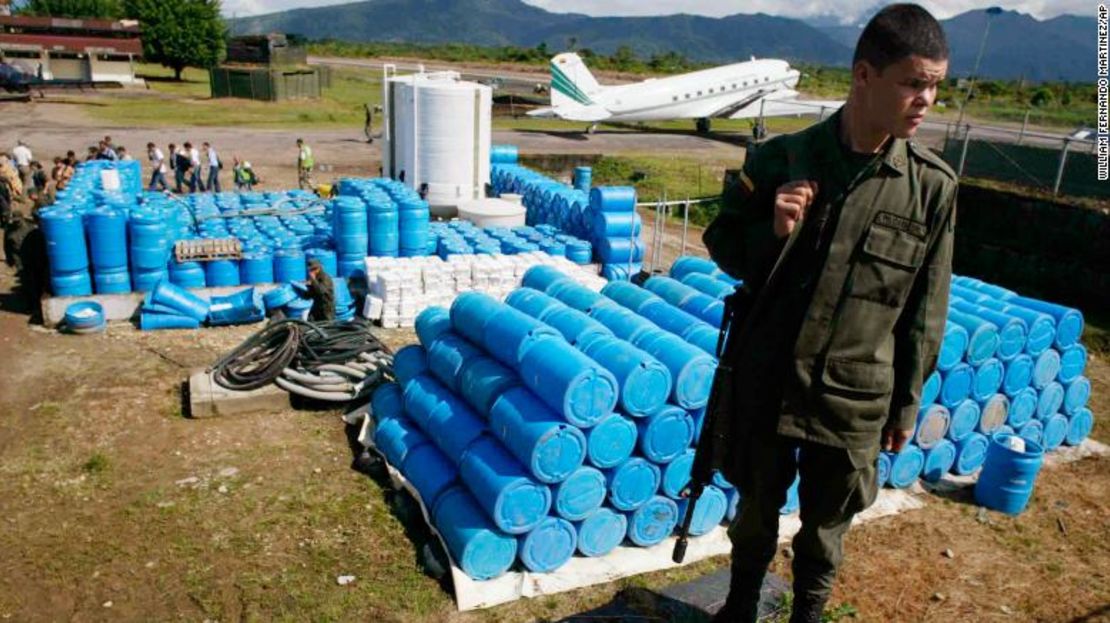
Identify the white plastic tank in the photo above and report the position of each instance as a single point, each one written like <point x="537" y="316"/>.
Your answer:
<point x="437" y="137"/>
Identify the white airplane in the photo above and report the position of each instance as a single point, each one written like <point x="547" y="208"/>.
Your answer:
<point x="749" y="90"/>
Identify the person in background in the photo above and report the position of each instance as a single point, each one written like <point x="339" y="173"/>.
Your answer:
<point x="92" y="153"/>
<point x="22" y="156"/>
<point x="322" y="291"/>
<point x="10" y="177"/>
<point x="71" y="158"/>
<point x="157" y="167"/>
<point x="38" y="176"/>
<point x="195" y="183"/>
<point x="305" y="164"/>
<point x="106" y="151"/>
<point x="177" y="168"/>
<point x="214" y="166"/>
<point x="245" y="179"/>
<point x="123" y="155"/>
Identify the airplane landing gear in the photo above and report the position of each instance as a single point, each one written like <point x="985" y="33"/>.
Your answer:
<point x="703" y="125"/>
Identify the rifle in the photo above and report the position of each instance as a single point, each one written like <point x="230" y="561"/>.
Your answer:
<point x="719" y="406"/>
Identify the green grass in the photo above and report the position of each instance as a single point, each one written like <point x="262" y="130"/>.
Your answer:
<point x="189" y="102"/>
<point x="98" y="463"/>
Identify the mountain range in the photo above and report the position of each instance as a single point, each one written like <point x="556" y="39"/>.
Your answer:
<point x="1018" y="45"/>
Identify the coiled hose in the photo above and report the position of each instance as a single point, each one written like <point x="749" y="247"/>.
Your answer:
<point x="331" y="361"/>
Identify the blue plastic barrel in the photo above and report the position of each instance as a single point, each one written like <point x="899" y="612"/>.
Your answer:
<point x="645" y="383"/>
<point x="1023" y="407"/>
<point x="221" y="273"/>
<point x="386" y="402"/>
<point x="619" y="225"/>
<point x="118" y="282"/>
<point x="1079" y="427"/>
<point x="1076" y="395"/>
<point x="664" y="435"/>
<point x="988" y="378"/>
<point x="409" y="362"/>
<point x="676" y="474"/>
<point x="1055" y="431"/>
<point x="707" y="284"/>
<point x="583" y="492"/>
<point x="383" y="223"/>
<point x="64" y="233"/>
<point x="179" y="299"/>
<point x="329" y="262"/>
<point x="413" y="218"/>
<point x="1012" y="334"/>
<point x="187" y="274"/>
<point x="541" y="277"/>
<point x="240" y="308"/>
<point x="579" y="251"/>
<point x="932" y="425"/>
<point x="632" y="483"/>
<point x="532" y="302"/>
<point x="475" y="545"/>
<point x="624" y="323"/>
<point x="1033" y="430"/>
<point x="956" y="385"/>
<point x="1046" y="368"/>
<point x="1073" y="361"/>
<point x="1019" y="374"/>
<point x="255" y="268"/>
<point x="538" y="438"/>
<point x="350" y="228"/>
<point x="1041" y="328"/>
<point x="613" y="199"/>
<point x="983" y="338"/>
<point x="930" y="389"/>
<point x="446" y="357"/>
<point x="601" y="532"/>
<point x="395" y="437"/>
<point x="611" y="441"/>
<point x="993" y="413"/>
<point x="953" y="346"/>
<point x="451" y="423"/>
<point x="653" y="521"/>
<point x="1069" y="321"/>
<point x="279" y="297"/>
<point x="577" y="296"/>
<point x="514" y="502"/>
<point x="289" y="265"/>
<point x="84" y="317"/>
<point x="964" y="421"/>
<point x="691" y="368"/>
<point x="503" y="154"/>
<point x="107" y="239"/>
<point x="938" y="460"/>
<point x="548" y="546"/>
<point x="431" y="323"/>
<point x="1009" y="474"/>
<point x="430" y="471"/>
<point x="575" y="326"/>
<point x="149" y="241"/>
<point x="688" y="264"/>
<point x="158" y="321"/>
<point x="882" y="469"/>
<point x="971" y="451"/>
<point x="905" y="466"/>
<point x="482" y="380"/>
<point x="568" y="381"/>
<point x="708" y="512"/>
<point x="582" y="178"/>
<point x="705" y="307"/>
<point x="1050" y="400"/>
<point x="471" y="312"/>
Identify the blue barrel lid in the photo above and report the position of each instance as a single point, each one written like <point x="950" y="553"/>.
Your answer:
<point x="1073" y="361"/>
<point x="971" y="452"/>
<point x="906" y="466"/>
<point x="1076" y="395"/>
<point x="653" y="521"/>
<point x="601" y="532"/>
<point x="708" y="512"/>
<point x="1046" y="368"/>
<point x="1055" y="430"/>
<point x="938" y="460"/>
<point x="993" y="413"/>
<point x="1023" y="407"/>
<point x="632" y="483"/>
<point x="1032" y="430"/>
<point x="956" y="384"/>
<point x="882" y="469"/>
<point x="676" y="474"/>
<point x="1079" y="427"/>
<point x="932" y="425"/>
<point x="965" y="419"/>
<point x="665" y="434"/>
<point x="580" y="494"/>
<point x="1019" y="373"/>
<point x="548" y="546"/>
<point x="988" y="378"/>
<point x="1051" y="399"/>
<point x="611" y="440"/>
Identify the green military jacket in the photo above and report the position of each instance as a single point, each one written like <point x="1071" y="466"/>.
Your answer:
<point x="872" y="330"/>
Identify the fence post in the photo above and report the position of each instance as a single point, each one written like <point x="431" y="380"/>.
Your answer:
<point x="685" y="225"/>
<point x="1024" y="124"/>
<point x="963" y="151"/>
<point x="1060" y="170"/>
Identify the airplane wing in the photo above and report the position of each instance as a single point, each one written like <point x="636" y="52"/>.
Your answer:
<point x="785" y="107"/>
<point x="591" y="114"/>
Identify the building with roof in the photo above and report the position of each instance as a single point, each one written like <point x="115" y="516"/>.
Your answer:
<point x="56" y="48"/>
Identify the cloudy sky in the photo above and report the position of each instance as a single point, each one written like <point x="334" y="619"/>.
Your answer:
<point x="847" y="10"/>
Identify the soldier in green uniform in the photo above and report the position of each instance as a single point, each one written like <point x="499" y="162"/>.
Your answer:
<point x="843" y="235"/>
<point x="322" y="291"/>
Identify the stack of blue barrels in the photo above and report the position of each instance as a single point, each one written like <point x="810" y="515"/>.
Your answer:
<point x="616" y="230"/>
<point x="604" y="217"/>
<point x="1007" y="364"/>
<point x="465" y="238"/>
<point x="397" y="219"/>
<point x="559" y="421"/>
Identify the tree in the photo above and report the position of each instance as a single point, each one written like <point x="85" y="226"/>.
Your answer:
<point x="180" y="33"/>
<point x="97" y="9"/>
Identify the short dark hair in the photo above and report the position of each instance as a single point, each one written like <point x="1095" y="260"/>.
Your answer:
<point x="899" y="31"/>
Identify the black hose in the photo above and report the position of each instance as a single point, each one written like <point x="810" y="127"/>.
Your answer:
<point x="297" y="344"/>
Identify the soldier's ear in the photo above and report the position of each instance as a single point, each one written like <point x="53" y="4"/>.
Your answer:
<point x="863" y="73"/>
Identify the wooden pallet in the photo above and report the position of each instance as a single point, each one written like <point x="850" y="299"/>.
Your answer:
<point x="207" y="250"/>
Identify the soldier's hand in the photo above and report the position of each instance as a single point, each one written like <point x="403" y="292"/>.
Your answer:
<point x="791" y="201"/>
<point x="895" y="438"/>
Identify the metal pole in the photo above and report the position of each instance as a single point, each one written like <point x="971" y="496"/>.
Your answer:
<point x="978" y="58"/>
<point x="1060" y="170"/>
<point x="963" y="152"/>
<point x="685" y="224"/>
<point x="1024" y="125"/>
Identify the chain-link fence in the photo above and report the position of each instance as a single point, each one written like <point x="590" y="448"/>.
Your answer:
<point x="1062" y="165"/>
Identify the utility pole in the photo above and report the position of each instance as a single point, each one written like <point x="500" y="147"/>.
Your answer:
<point x="991" y="12"/>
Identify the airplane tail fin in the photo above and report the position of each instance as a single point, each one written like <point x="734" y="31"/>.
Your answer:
<point x="571" y="82"/>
